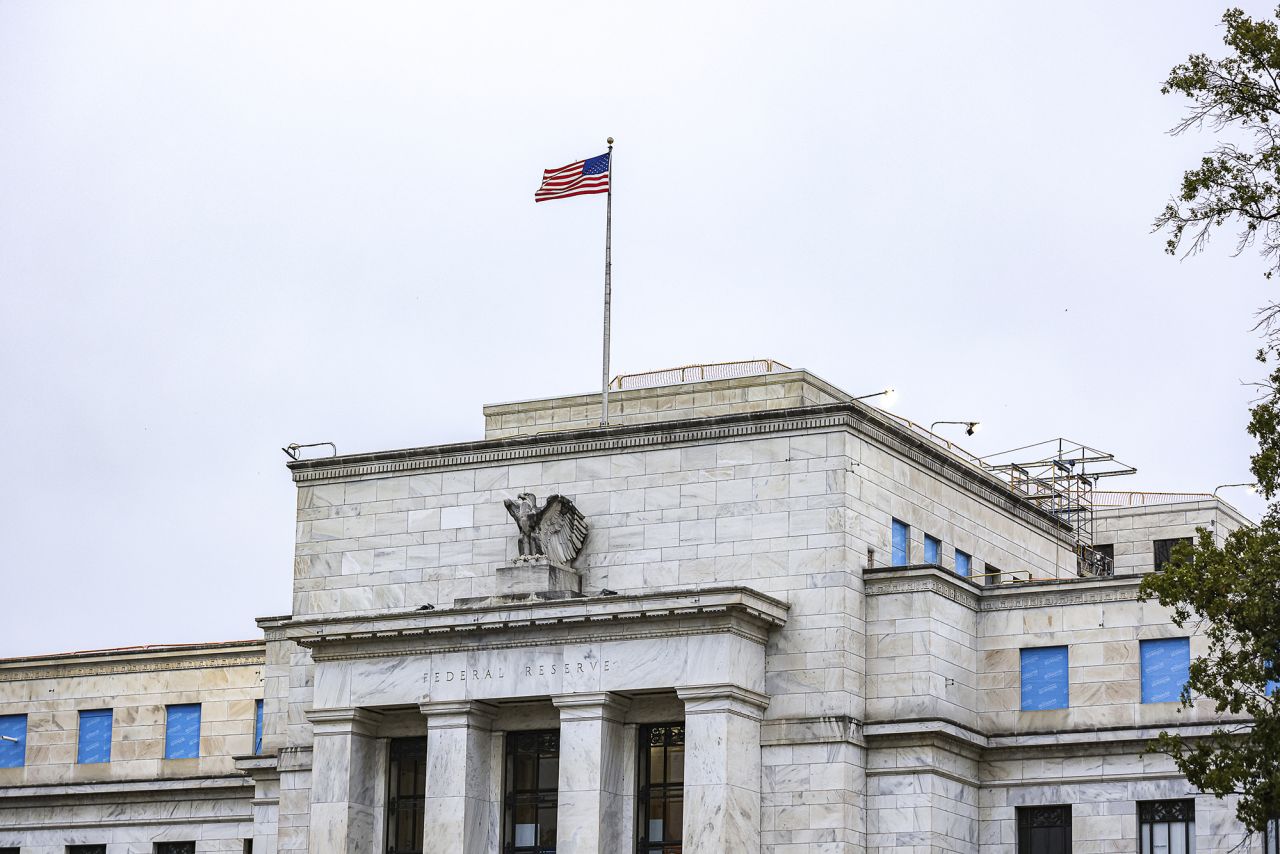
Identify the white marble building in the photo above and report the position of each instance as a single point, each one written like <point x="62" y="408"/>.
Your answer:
<point x="764" y="646"/>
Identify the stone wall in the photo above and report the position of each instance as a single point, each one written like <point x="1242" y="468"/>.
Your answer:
<point x="760" y="393"/>
<point x="138" y="797"/>
<point x="1132" y="530"/>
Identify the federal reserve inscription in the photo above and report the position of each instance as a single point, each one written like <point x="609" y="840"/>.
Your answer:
<point x="569" y="669"/>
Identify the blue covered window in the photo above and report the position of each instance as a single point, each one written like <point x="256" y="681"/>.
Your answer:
<point x="963" y="563"/>
<point x="13" y="741"/>
<point x="257" y="726"/>
<point x="95" y="736"/>
<point x="901" y="538"/>
<point x="931" y="546"/>
<point x="1044" y="678"/>
<point x="1166" y="666"/>
<point x="182" y="731"/>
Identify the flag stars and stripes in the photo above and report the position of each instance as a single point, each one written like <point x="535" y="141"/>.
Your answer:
<point x="580" y="178"/>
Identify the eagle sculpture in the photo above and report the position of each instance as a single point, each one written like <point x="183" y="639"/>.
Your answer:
<point x="555" y="531"/>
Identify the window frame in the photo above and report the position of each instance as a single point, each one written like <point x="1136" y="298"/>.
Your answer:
<point x="1147" y="689"/>
<point x="169" y="744"/>
<point x="1041" y="653"/>
<point x="1158" y="561"/>
<point x="542" y="798"/>
<point x="92" y="714"/>
<point x="1152" y="814"/>
<point x="899" y="553"/>
<point x="398" y="751"/>
<point x="932" y="543"/>
<point x="189" y="847"/>
<point x="1031" y="818"/>
<point x="968" y="563"/>
<point x="7" y="723"/>
<point x="672" y="735"/>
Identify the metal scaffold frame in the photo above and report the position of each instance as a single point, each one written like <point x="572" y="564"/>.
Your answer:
<point x="1060" y="476"/>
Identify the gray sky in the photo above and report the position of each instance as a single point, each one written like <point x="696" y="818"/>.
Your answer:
<point x="229" y="226"/>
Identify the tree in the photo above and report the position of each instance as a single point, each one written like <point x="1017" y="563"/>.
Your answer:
<point x="1232" y="592"/>
<point x="1234" y="182"/>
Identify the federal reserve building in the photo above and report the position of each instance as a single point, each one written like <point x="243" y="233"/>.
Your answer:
<point x="751" y="614"/>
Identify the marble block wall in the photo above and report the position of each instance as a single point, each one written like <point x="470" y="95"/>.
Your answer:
<point x="759" y="393"/>
<point x="138" y="797"/>
<point x="1131" y="530"/>
<point x="137" y="685"/>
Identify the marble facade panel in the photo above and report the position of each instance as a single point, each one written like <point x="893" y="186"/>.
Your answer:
<point x="496" y="673"/>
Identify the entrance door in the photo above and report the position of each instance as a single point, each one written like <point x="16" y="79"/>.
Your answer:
<point x="532" y="792"/>
<point x="406" y="793"/>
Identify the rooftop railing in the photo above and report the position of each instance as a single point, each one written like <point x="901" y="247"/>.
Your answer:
<point x="697" y="373"/>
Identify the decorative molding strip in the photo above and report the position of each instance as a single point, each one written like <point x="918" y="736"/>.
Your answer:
<point x="860" y="419"/>
<point x="359" y="648"/>
<point x="116" y="668"/>
<point x="928" y="584"/>
<point x="734" y="610"/>
<point x="1127" y="593"/>
<point x="1006" y="597"/>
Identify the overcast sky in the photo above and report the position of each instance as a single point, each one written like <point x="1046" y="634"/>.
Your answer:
<point x="226" y="226"/>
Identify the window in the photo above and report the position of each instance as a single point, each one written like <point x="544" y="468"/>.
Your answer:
<point x="901" y="543"/>
<point x="1044" y="678"/>
<point x="182" y="734"/>
<point x="95" y="738"/>
<point x="257" y="727"/>
<point x="248" y="846"/>
<point x="1100" y="560"/>
<point x="532" y="785"/>
<point x="13" y="741"/>
<point x="931" y="546"/>
<point x="661" y="800"/>
<point x="1166" y="666"/>
<point x="1044" y="830"/>
<point x="991" y="574"/>
<point x="1164" y="550"/>
<point x="86" y="849"/>
<point x="1167" y="827"/>
<point x="405" y="795"/>
<point x="175" y="848"/>
<point x="964" y="563"/>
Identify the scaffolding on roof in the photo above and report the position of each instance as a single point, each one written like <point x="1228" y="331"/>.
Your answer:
<point x="1060" y="476"/>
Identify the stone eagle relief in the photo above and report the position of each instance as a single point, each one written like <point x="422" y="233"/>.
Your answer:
<point x="554" y="532"/>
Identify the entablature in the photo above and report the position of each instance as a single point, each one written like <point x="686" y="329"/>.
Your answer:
<point x="736" y="610"/>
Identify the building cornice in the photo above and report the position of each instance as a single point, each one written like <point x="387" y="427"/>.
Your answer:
<point x="864" y="421"/>
<point x="738" y="610"/>
<point x="140" y="660"/>
<point x="883" y="581"/>
<point x="176" y="788"/>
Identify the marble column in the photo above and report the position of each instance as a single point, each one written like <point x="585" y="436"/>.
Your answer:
<point x="461" y="808"/>
<point x="592" y="815"/>
<point x="721" y="769"/>
<point x="347" y="769"/>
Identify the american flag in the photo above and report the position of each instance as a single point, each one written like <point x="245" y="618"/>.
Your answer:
<point x="580" y="178"/>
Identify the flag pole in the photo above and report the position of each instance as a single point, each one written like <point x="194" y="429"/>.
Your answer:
<point x="608" y="291"/>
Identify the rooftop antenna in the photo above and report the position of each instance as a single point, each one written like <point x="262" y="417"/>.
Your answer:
<point x="293" y="448"/>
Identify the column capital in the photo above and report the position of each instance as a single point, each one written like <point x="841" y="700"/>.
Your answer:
<point x="733" y="699"/>
<point x="596" y="705"/>
<point x="447" y="714"/>
<point x="349" y="721"/>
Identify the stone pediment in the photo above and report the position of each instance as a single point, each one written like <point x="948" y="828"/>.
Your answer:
<point x="536" y="622"/>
